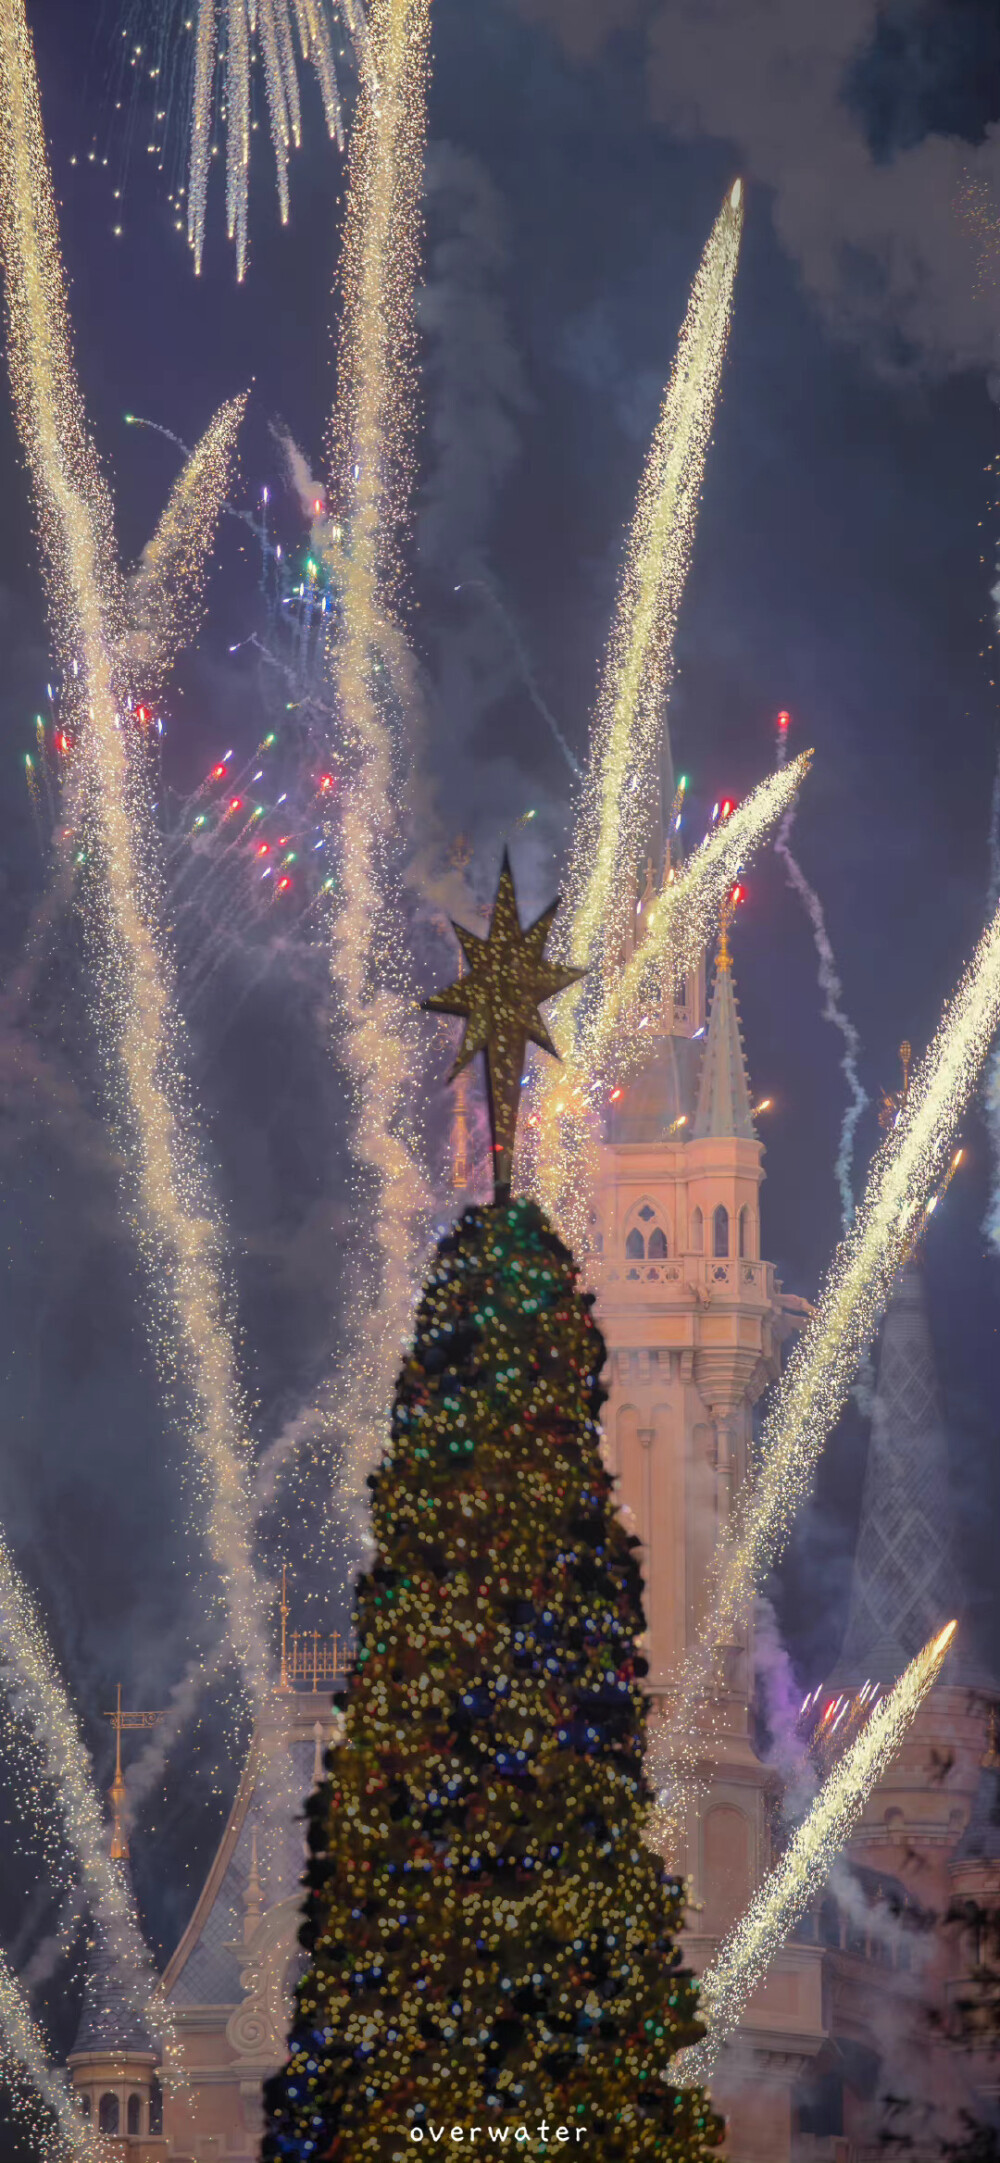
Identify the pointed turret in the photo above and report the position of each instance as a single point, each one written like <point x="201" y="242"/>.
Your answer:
<point x="723" y="1109"/>
<point x="907" y="1582"/>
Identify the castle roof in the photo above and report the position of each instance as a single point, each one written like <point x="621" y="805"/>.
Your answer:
<point x="205" y="1967"/>
<point x="723" y="1107"/>
<point x="907" y="1581"/>
<point x="109" y="2020"/>
<point x="664" y="1092"/>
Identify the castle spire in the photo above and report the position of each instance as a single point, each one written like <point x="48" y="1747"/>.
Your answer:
<point x="907" y="1582"/>
<point x="724" y="1106"/>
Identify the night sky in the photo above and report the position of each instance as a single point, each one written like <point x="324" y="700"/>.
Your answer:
<point x="579" y="153"/>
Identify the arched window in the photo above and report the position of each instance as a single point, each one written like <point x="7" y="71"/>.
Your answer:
<point x="720" y="1231"/>
<point x="133" y="2120"/>
<point x="697" y="1232"/>
<point x="635" y="1246"/>
<point x="657" y="1249"/>
<point x="108" y="2113"/>
<point x="155" y="2108"/>
<point x="85" y="2105"/>
<point x="746" y="1237"/>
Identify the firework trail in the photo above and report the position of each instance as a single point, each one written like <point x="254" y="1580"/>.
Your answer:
<point x="371" y="461"/>
<point x="227" y="34"/>
<point x="833" y="994"/>
<point x="24" y="2058"/>
<point x="610" y="1040"/>
<point x="178" y="1230"/>
<point x="166" y="587"/>
<point x="833" y="1011"/>
<point x="531" y="684"/>
<point x="628" y="718"/>
<point x="746" y="1954"/>
<point x="816" y="1381"/>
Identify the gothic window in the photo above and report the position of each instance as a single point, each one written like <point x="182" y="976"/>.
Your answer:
<point x="635" y="1246"/>
<point x="720" y="1231"/>
<point x="657" y="1249"/>
<point x="697" y="1232"/>
<point x="108" y="2113"/>
<point x="133" y="2121"/>
<point x="746" y="1236"/>
<point x="155" y="2108"/>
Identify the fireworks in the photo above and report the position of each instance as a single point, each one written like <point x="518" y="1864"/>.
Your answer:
<point x="610" y="1040"/>
<point x="815" y="1383"/>
<point x="167" y="584"/>
<point x="269" y="31"/>
<point x="746" y="1954"/>
<point x="638" y="666"/>
<point x="23" y="2055"/>
<point x="178" y="1228"/>
<point x="833" y="994"/>
<point x="371" y="461"/>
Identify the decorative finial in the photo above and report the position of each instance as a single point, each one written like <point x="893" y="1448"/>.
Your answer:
<point x="723" y="958"/>
<point x="119" y="1835"/>
<point x="508" y="980"/>
<point x="905" y="1057"/>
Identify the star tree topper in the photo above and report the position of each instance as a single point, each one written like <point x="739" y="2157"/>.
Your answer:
<point x="508" y="980"/>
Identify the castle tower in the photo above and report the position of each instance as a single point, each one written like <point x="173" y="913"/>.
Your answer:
<point x="694" y="1320"/>
<point x="114" y="2063"/>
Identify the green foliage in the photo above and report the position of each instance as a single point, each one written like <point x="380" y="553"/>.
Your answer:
<point x="492" y="1942"/>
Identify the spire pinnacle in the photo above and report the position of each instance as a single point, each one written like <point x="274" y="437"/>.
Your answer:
<point x="724" y="1105"/>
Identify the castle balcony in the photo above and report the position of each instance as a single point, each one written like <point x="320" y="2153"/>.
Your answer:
<point x="697" y="1280"/>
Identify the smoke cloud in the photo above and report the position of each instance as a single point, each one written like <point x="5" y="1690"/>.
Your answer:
<point x="885" y="244"/>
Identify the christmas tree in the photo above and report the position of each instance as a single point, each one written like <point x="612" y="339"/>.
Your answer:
<point x="492" y="1944"/>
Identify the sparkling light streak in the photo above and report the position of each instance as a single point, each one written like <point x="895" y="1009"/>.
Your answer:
<point x="628" y="718"/>
<point x="140" y="1036"/>
<point x="370" y="479"/>
<point x="229" y="34"/>
<point x="24" y="2058"/>
<point x="813" y="1389"/>
<point x="746" y="1954"/>
<point x="165" y="590"/>
<point x="610" y="1039"/>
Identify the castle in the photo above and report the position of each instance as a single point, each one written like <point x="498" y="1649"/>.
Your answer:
<point x="695" y="1320"/>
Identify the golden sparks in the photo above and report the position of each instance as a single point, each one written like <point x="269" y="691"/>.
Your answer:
<point x="371" y="469"/>
<point x="165" y="590"/>
<point x="813" y="1389"/>
<point x="609" y="1041"/>
<point x="746" y="1954"/>
<point x="140" y="1033"/>
<point x="638" y="667"/>
<point x="270" y="30"/>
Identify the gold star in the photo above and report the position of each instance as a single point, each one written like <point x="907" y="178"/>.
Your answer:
<point x="508" y="980"/>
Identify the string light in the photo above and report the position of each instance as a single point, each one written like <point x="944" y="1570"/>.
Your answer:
<point x="746" y="1954"/>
